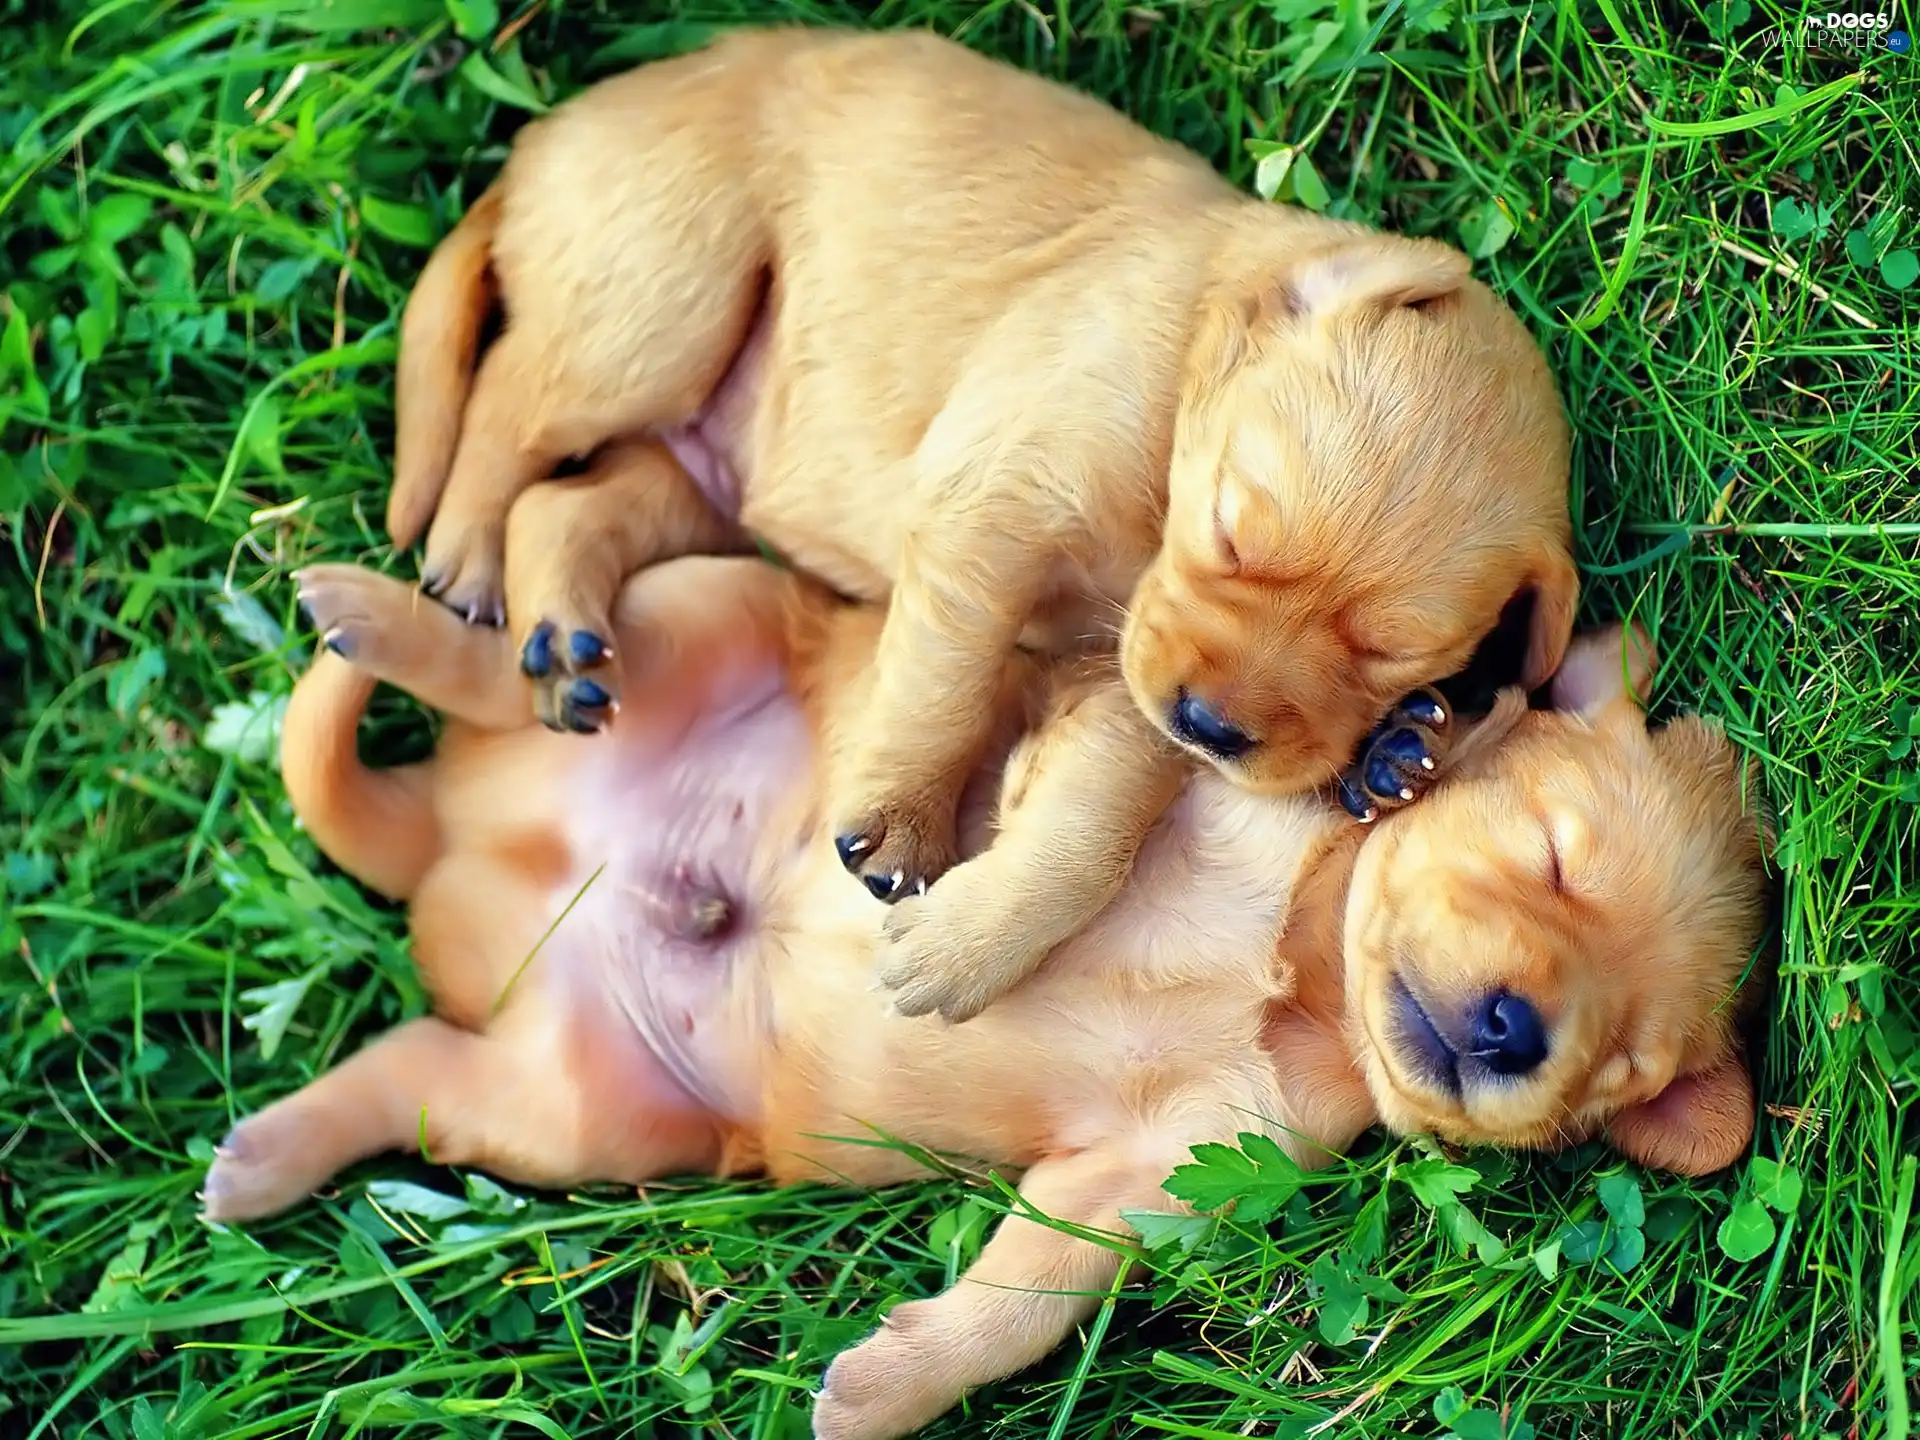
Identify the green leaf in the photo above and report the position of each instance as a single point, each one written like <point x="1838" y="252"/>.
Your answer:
<point x="956" y="1231"/>
<point x="1620" y="1196"/>
<point x="1546" y="1260"/>
<point x="1668" y="1219"/>
<point x="1747" y="1232"/>
<point x="1861" y="248"/>
<point x="260" y="434"/>
<point x="1421" y="18"/>
<point x="274" y="1010"/>
<point x="1343" y="1304"/>
<point x="92" y="329"/>
<point x="489" y="1198"/>
<point x="1900" y="268"/>
<point x="655" y="41"/>
<point x="247" y="618"/>
<point x="331" y="16"/>
<point x="1258" y="1179"/>
<point x="131" y="678"/>
<point x="119" y="1284"/>
<point x="1308" y="188"/>
<point x="1479" y="1424"/>
<point x="280" y="279"/>
<point x="1775" y="1185"/>
<point x="1437" y="1182"/>
<point x="1628" y="1249"/>
<point x="408" y="224"/>
<point x="1158" y="1230"/>
<point x="1271" y="171"/>
<point x="474" y="19"/>
<point x="1468" y="1234"/>
<point x="406" y="1198"/>
<point x="1580" y="1244"/>
<point x="1793" y="220"/>
<point x="247" y="729"/>
<point x="490" y="82"/>
<point x="1449" y="1404"/>
<point x="1308" y="49"/>
<point x="117" y="217"/>
<point x="1485" y="230"/>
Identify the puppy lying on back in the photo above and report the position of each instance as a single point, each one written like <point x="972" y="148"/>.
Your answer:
<point x="1541" y="950"/>
<point x="944" y="331"/>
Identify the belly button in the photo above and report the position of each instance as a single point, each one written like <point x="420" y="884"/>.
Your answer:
<point x="706" y="917"/>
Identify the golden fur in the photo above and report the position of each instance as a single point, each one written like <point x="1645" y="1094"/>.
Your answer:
<point x="946" y="332"/>
<point x="707" y="1003"/>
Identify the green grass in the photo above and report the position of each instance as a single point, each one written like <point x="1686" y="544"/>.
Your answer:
<point x="209" y="215"/>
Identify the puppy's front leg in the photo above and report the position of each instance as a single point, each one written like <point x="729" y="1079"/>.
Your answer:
<point x="967" y="586"/>
<point x="1080" y="799"/>
<point x="1031" y="1285"/>
<point x="571" y="543"/>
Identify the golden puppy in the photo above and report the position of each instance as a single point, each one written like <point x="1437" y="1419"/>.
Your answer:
<point x="645" y="960"/>
<point x="939" y="329"/>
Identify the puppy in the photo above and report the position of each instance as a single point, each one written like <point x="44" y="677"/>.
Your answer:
<point x="942" y="331"/>
<point x="644" y="959"/>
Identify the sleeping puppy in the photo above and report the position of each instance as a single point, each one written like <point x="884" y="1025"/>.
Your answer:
<point x="939" y="330"/>
<point x="644" y="959"/>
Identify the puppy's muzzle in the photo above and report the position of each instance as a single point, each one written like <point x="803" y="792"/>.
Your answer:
<point x="1501" y="1036"/>
<point x="1196" y="723"/>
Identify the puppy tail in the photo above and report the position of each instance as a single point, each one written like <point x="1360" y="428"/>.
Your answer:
<point x="377" y="825"/>
<point x="439" y="335"/>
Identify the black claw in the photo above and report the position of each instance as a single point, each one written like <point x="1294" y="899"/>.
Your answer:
<point x="536" y="656"/>
<point x="1424" y="708"/>
<point x="1405" y="746"/>
<point x="851" y="847"/>
<point x="1380" y="778"/>
<point x="881" y="887"/>
<point x="587" y="695"/>
<point x="587" y="648"/>
<point x="579" y="724"/>
<point x="433" y="582"/>
<point x="338" y="644"/>
<point x="1389" y="762"/>
<point x="1354" y="801"/>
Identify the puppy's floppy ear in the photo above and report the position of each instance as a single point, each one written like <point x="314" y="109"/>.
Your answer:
<point x="1556" y="598"/>
<point x="1367" y="271"/>
<point x="1697" y="1125"/>
<point x="1377" y="272"/>
<point x="1613" y="663"/>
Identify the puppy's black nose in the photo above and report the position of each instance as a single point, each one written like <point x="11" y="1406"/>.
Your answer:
<point x="1197" y="724"/>
<point x="1507" y="1035"/>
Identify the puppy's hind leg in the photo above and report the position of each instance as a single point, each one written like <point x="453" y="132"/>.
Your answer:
<point x="514" y="1103"/>
<point x="623" y="318"/>
<point x="382" y="627"/>
<point x="571" y="544"/>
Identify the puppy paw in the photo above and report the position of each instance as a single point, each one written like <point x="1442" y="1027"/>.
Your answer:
<point x="353" y="610"/>
<point x="955" y="951"/>
<point x="571" y="666"/>
<point x="262" y="1167"/>
<point x="1400" y="760"/>
<point x="899" y="846"/>
<point x="464" y="569"/>
<point x="890" y="1384"/>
